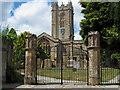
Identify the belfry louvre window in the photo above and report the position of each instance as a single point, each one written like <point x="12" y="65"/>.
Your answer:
<point x="62" y="20"/>
<point x="61" y="23"/>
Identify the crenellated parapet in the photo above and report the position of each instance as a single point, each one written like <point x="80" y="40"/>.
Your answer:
<point x="31" y="41"/>
<point x="93" y="39"/>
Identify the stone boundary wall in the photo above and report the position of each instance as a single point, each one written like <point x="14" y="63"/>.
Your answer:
<point x="5" y="49"/>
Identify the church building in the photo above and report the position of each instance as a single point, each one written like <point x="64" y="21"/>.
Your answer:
<point x="61" y="44"/>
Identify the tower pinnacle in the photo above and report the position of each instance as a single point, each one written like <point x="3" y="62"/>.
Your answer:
<point x="70" y="4"/>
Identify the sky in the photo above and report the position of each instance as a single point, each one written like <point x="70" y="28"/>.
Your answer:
<point x="35" y="16"/>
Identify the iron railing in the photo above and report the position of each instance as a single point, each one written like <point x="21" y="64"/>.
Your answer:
<point x="110" y="67"/>
<point x="60" y="70"/>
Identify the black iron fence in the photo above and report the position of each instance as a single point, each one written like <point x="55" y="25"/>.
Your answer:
<point x="60" y="68"/>
<point x="110" y="67"/>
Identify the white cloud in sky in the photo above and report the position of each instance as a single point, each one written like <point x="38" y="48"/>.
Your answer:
<point x="77" y="36"/>
<point x="32" y="16"/>
<point x="35" y="16"/>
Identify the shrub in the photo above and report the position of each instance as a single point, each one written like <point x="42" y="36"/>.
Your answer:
<point x="12" y="76"/>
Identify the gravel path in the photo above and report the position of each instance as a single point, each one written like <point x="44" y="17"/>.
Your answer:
<point x="115" y="80"/>
<point x="48" y="80"/>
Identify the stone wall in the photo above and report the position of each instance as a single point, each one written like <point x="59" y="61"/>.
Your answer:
<point x="6" y="57"/>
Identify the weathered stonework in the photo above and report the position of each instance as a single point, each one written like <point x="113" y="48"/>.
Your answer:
<point x="47" y="64"/>
<point x="30" y="60"/>
<point x="6" y="52"/>
<point x="62" y="18"/>
<point x="94" y="58"/>
<point x="59" y="43"/>
<point x="71" y="61"/>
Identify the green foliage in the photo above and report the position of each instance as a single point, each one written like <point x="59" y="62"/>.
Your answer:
<point x="12" y="76"/>
<point x="17" y="44"/>
<point x="98" y="18"/>
<point x="115" y="13"/>
<point x="41" y="53"/>
<point x="115" y="57"/>
<point x="12" y="34"/>
<point x="5" y="31"/>
<point x="112" y="55"/>
<point x="19" y="50"/>
<point x="9" y="35"/>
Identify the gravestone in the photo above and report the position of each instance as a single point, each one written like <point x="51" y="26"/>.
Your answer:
<point x="47" y="64"/>
<point x="76" y="65"/>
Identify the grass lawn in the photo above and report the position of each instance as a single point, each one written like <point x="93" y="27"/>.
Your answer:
<point x="79" y="75"/>
<point x="109" y="73"/>
<point x="68" y="74"/>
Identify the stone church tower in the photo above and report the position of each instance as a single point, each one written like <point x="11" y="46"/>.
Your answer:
<point x="61" y="45"/>
<point x="62" y="21"/>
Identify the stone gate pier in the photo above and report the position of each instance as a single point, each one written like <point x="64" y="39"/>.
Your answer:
<point x="30" y="60"/>
<point x="94" y="57"/>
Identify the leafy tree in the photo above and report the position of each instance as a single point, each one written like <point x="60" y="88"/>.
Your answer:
<point x="102" y="17"/>
<point x="19" y="50"/>
<point x="97" y="18"/>
<point x="12" y="34"/>
<point x="115" y="14"/>
<point x="4" y="34"/>
<point x="9" y="35"/>
<point x="41" y="53"/>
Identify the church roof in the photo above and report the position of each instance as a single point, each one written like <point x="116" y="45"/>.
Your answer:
<point x="47" y="36"/>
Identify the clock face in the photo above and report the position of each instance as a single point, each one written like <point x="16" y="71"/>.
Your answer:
<point x="62" y="31"/>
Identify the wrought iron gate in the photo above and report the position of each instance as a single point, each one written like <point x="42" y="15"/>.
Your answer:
<point x="110" y="67"/>
<point x="59" y="69"/>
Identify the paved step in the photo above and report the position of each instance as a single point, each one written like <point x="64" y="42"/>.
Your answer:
<point x="59" y="87"/>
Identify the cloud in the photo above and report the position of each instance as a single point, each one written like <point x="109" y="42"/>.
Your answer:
<point x="32" y="16"/>
<point x="77" y="16"/>
<point x="35" y="16"/>
<point x="77" y="36"/>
